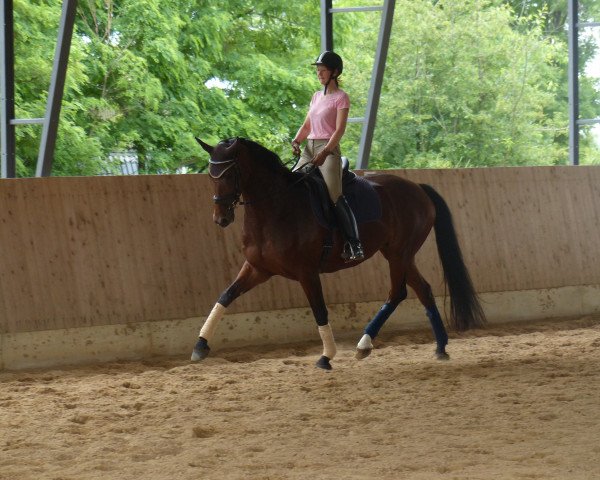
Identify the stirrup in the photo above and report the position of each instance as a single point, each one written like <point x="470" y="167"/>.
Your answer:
<point x="353" y="251"/>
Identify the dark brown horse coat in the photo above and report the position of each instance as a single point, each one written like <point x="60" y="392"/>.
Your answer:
<point x="281" y="236"/>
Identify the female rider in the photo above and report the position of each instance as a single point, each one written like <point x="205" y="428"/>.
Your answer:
<point x="324" y="127"/>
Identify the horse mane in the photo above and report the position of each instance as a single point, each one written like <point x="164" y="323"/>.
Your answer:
<point x="267" y="158"/>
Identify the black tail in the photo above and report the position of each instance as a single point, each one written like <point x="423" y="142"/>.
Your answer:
<point x="466" y="312"/>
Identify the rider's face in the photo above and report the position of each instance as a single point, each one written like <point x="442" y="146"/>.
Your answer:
<point x="323" y="74"/>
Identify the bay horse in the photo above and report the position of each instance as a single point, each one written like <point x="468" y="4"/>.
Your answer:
<point x="281" y="236"/>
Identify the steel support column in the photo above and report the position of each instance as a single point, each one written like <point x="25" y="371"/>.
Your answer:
<point x="383" y="41"/>
<point x="326" y="25"/>
<point x="7" y="90"/>
<point x="573" y="82"/>
<point x="57" y="84"/>
<point x="370" y="117"/>
<point x="574" y="121"/>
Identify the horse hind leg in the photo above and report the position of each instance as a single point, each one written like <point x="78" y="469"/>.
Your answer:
<point x="425" y="296"/>
<point x="397" y="294"/>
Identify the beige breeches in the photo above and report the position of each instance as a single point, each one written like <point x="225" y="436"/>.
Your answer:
<point x="331" y="168"/>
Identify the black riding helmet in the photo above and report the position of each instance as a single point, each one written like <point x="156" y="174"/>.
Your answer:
<point x="332" y="61"/>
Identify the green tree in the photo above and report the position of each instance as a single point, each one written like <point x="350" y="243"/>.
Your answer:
<point x="469" y="84"/>
<point x="473" y="82"/>
<point x="36" y="25"/>
<point x="164" y="71"/>
<point x="552" y="16"/>
<point x="148" y="75"/>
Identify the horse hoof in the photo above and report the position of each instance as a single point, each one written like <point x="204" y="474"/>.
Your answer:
<point x="362" y="353"/>
<point x="442" y="355"/>
<point x="323" y="363"/>
<point x="201" y="350"/>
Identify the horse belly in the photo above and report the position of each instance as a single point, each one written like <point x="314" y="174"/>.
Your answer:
<point x="373" y="236"/>
<point x="282" y="255"/>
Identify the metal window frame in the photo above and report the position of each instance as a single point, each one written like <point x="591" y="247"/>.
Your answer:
<point x="55" y="93"/>
<point x="370" y="118"/>
<point x="56" y="90"/>
<point x="574" y="121"/>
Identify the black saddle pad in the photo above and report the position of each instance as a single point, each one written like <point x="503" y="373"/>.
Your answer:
<point x="359" y="193"/>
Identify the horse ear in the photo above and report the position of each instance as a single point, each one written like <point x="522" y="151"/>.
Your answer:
<point x="231" y="149"/>
<point x="205" y="146"/>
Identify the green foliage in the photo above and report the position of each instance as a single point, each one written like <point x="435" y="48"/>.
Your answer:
<point x="468" y="82"/>
<point x="76" y="153"/>
<point x="138" y="73"/>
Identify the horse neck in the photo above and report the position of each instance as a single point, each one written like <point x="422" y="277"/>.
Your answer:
<point x="264" y="187"/>
<point x="270" y="196"/>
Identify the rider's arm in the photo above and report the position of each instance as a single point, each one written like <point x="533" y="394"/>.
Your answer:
<point x="340" y="127"/>
<point x="303" y="131"/>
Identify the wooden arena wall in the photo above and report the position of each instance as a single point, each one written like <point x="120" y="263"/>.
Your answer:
<point x="93" y="251"/>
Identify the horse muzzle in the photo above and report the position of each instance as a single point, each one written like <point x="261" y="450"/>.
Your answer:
<point x="224" y="212"/>
<point x="223" y="222"/>
<point x="223" y="219"/>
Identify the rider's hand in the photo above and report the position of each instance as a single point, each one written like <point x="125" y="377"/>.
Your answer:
<point x="296" y="148"/>
<point x="320" y="158"/>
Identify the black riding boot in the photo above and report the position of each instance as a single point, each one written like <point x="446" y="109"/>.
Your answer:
<point x="352" y="249"/>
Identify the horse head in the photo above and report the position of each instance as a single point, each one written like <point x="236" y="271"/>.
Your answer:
<point x="225" y="173"/>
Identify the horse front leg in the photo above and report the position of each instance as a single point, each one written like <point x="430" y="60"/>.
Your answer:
<point x="314" y="294"/>
<point x="248" y="278"/>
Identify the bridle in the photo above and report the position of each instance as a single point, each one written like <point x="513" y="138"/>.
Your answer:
<point x="230" y="200"/>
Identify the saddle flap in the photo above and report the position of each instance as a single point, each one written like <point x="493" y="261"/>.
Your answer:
<point x="359" y="193"/>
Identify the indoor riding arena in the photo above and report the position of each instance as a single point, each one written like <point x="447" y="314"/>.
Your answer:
<point x="106" y="281"/>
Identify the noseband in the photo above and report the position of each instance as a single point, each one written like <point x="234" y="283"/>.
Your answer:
<point x="229" y="200"/>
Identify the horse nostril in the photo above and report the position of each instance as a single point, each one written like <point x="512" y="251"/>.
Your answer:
<point x="222" y="222"/>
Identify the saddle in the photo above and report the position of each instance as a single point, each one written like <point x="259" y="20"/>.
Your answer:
<point x="359" y="193"/>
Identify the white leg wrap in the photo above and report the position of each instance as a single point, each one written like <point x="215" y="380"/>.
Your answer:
<point x="365" y="343"/>
<point x="329" y="348"/>
<point x="208" y="329"/>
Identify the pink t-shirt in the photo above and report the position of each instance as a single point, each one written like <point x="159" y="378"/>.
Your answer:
<point x="323" y="113"/>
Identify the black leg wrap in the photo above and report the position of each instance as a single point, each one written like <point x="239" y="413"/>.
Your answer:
<point x="229" y="295"/>
<point x="440" y="353"/>
<point x="201" y="350"/>
<point x="323" y="363"/>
